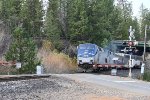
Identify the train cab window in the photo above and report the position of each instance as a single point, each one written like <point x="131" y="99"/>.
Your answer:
<point x="114" y="61"/>
<point x="105" y="60"/>
<point x="100" y="49"/>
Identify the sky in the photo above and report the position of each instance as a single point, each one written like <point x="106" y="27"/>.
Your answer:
<point x="136" y="6"/>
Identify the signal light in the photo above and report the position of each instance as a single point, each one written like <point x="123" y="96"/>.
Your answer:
<point x="130" y="43"/>
<point x="136" y="43"/>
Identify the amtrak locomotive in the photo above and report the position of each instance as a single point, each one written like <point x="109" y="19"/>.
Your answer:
<point x="88" y="55"/>
<point x="92" y="56"/>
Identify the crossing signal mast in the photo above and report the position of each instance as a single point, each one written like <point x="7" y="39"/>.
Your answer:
<point x="131" y="43"/>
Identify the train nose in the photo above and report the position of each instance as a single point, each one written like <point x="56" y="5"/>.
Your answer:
<point x="91" y="61"/>
<point x="87" y="61"/>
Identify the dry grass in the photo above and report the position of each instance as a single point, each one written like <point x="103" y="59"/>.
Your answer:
<point x="56" y="62"/>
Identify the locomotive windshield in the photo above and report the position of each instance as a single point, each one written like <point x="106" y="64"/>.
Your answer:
<point x="86" y="50"/>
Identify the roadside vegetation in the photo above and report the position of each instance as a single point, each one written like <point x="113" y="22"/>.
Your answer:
<point x="54" y="61"/>
<point x="146" y="76"/>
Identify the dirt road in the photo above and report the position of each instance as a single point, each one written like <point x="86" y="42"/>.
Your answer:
<point x="66" y="87"/>
<point x="122" y="83"/>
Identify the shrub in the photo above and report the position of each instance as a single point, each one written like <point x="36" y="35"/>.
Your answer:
<point x="47" y="45"/>
<point x="55" y="62"/>
<point x="146" y="76"/>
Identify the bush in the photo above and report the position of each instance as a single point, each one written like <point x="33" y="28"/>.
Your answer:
<point x="47" y="45"/>
<point x="55" y="62"/>
<point x="146" y="76"/>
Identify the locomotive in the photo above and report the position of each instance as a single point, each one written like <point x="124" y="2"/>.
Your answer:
<point x="87" y="55"/>
<point x="91" y="56"/>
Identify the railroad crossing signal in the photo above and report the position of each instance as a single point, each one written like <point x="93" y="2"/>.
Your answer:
<point x="131" y="33"/>
<point x="129" y="50"/>
<point x="126" y="50"/>
<point x="130" y="43"/>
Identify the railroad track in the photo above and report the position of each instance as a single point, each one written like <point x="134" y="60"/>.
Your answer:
<point x="5" y="78"/>
<point x="136" y="72"/>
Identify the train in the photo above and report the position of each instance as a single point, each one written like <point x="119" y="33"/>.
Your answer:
<point x="91" y="56"/>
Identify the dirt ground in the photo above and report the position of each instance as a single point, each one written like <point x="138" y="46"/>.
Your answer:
<point x="61" y="88"/>
<point x="92" y="97"/>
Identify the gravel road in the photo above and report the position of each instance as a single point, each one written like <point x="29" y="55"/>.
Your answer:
<point x="61" y="88"/>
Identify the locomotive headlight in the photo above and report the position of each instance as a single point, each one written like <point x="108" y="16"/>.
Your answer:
<point x="79" y="55"/>
<point x="91" y="54"/>
<point x="92" y="59"/>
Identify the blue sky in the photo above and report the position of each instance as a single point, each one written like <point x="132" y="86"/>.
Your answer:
<point x="136" y="6"/>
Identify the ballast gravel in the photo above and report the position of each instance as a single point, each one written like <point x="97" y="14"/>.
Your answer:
<point x="60" y="88"/>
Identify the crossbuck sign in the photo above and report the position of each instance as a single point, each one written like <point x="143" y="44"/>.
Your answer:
<point x="131" y="33"/>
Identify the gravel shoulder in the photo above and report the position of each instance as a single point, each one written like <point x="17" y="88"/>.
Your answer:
<point x="61" y="88"/>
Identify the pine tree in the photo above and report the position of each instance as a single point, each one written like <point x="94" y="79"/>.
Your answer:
<point x="77" y="20"/>
<point x="52" y="26"/>
<point x="99" y="14"/>
<point x="23" y="25"/>
<point x="10" y="13"/>
<point x="116" y="24"/>
<point x="136" y="26"/>
<point x="145" y="20"/>
<point x="22" y="50"/>
<point x="32" y="17"/>
<point x="126" y="13"/>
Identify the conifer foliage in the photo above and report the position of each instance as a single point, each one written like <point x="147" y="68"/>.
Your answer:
<point x="24" y="20"/>
<point x="22" y="50"/>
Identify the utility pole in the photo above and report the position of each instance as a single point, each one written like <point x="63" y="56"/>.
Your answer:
<point x="144" y="53"/>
